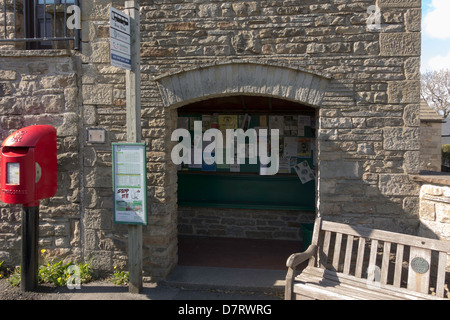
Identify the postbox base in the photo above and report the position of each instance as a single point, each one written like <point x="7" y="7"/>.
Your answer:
<point x="30" y="252"/>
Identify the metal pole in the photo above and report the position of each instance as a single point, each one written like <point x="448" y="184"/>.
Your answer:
<point x="76" y="32"/>
<point x="30" y="252"/>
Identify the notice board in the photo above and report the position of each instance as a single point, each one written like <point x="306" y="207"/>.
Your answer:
<point x="129" y="183"/>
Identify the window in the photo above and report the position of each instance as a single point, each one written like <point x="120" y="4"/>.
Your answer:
<point x="47" y="21"/>
<point x="40" y="24"/>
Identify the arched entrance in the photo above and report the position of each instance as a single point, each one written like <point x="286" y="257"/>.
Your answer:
<point x="268" y="85"/>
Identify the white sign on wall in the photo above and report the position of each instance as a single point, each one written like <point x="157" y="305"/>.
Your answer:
<point x="120" y="30"/>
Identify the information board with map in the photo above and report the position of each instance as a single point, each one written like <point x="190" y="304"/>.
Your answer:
<point x="129" y="183"/>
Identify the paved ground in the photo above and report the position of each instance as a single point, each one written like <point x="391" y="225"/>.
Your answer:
<point x="109" y="301"/>
<point x="194" y="283"/>
<point x="151" y="291"/>
<point x="184" y="283"/>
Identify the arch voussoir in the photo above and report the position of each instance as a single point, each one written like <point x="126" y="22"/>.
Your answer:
<point x="248" y="78"/>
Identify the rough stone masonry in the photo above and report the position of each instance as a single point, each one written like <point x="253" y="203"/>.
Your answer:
<point x="363" y="82"/>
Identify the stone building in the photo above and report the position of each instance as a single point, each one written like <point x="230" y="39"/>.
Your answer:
<point x="430" y="138"/>
<point x="352" y="68"/>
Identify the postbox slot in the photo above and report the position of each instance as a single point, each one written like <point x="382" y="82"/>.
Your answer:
<point x="14" y="152"/>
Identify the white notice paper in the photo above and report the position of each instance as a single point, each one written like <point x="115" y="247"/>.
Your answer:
<point x="304" y="172"/>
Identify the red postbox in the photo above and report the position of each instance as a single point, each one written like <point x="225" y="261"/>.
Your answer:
<point x="29" y="166"/>
<point x="28" y="173"/>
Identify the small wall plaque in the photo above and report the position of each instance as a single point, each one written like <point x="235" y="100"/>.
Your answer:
<point x="420" y="265"/>
<point x="96" y="135"/>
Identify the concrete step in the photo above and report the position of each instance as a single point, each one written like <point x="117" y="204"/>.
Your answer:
<point x="233" y="279"/>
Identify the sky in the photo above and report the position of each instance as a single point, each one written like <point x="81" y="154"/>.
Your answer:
<point x="435" y="35"/>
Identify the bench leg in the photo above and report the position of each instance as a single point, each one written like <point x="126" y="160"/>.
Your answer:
<point x="288" y="290"/>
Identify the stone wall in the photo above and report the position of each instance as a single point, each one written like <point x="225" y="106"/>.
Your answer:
<point x="103" y="89"/>
<point x="104" y="106"/>
<point x="368" y="135"/>
<point x="42" y="87"/>
<point x="369" y="126"/>
<point x="368" y="131"/>
<point x="435" y="210"/>
<point x="243" y="223"/>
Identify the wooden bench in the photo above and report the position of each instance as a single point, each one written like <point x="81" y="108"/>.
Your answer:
<point x="352" y="262"/>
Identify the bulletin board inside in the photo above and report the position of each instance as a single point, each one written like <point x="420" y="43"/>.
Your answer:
<point x="243" y="185"/>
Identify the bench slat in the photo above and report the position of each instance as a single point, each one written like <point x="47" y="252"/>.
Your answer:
<point x="315" y="241"/>
<point x="360" y="257"/>
<point x="348" y="254"/>
<point x="371" y="269"/>
<point x="339" y="282"/>
<point x="419" y="282"/>
<point x="400" y="238"/>
<point x="372" y="286"/>
<point x="398" y="266"/>
<point x="385" y="262"/>
<point x="319" y="293"/>
<point x="373" y="252"/>
<point x="337" y="250"/>
<point x="441" y="274"/>
<point x="325" y="249"/>
<point x="335" y="289"/>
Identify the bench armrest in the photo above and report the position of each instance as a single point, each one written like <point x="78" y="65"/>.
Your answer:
<point x="292" y="262"/>
<point x="297" y="258"/>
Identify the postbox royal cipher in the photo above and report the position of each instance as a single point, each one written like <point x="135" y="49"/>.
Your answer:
<point x="28" y="166"/>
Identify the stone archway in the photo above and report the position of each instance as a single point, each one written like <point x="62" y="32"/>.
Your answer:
<point x="231" y="78"/>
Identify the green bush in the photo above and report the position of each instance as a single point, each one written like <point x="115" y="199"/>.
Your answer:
<point x="58" y="273"/>
<point x="2" y="269"/>
<point x="14" y="277"/>
<point x="120" y="277"/>
<point x="52" y="272"/>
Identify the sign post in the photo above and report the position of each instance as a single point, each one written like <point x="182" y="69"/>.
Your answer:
<point x="125" y="53"/>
